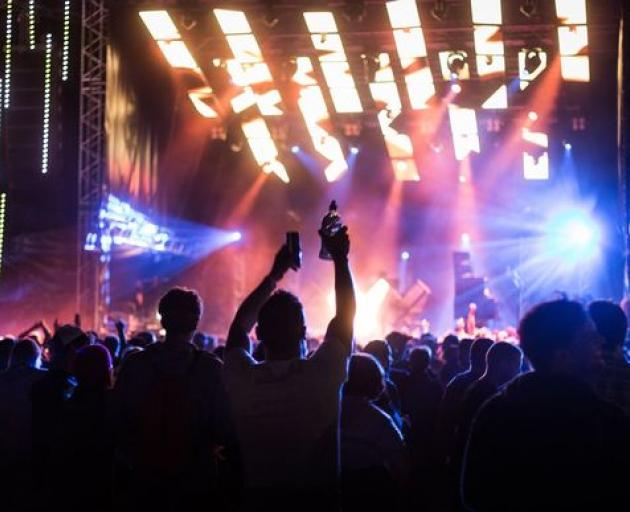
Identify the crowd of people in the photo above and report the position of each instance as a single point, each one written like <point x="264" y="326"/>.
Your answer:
<point x="113" y="423"/>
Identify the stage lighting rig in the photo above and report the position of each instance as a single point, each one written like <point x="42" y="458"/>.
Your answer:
<point x="354" y="11"/>
<point x="532" y="60"/>
<point x="456" y="63"/>
<point x="270" y="16"/>
<point x="439" y="10"/>
<point x="529" y="8"/>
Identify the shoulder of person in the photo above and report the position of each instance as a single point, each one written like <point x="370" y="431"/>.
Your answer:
<point x="208" y="359"/>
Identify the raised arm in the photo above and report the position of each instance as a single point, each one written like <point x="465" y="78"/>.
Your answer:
<point x="247" y="313"/>
<point x="342" y="325"/>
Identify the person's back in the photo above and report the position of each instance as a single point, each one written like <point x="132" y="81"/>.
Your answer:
<point x="373" y="456"/>
<point x="16" y="440"/>
<point x="286" y="408"/>
<point x="170" y="412"/>
<point x="613" y="383"/>
<point x="547" y="442"/>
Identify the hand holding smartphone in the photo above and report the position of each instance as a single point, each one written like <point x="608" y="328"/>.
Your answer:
<point x="295" y="250"/>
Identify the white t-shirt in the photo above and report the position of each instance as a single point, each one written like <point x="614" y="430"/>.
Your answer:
<point x="286" y="415"/>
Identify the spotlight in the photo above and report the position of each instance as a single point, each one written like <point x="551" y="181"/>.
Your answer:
<point x="529" y="8"/>
<point x="465" y="241"/>
<point x="456" y="88"/>
<point x="532" y="60"/>
<point x="439" y="10"/>
<point x="354" y="150"/>
<point x="295" y="149"/>
<point x="456" y="62"/>
<point x="533" y="116"/>
<point x="462" y="178"/>
<point x="567" y="146"/>
<point x="236" y="236"/>
<point x="405" y="255"/>
<point x="573" y="233"/>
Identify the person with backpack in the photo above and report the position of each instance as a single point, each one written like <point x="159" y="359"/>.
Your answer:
<point x="170" y="414"/>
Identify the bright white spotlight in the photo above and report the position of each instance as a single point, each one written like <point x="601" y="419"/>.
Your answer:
<point x="456" y="88"/>
<point x="573" y="234"/>
<point x="295" y="149"/>
<point x="567" y="146"/>
<point x="465" y="241"/>
<point x="236" y="236"/>
<point x="533" y="116"/>
<point x="405" y="255"/>
<point x="354" y="150"/>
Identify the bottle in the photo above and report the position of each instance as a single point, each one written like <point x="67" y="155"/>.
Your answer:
<point x="331" y="223"/>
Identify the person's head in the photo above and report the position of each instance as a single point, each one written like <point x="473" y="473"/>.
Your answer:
<point x="478" y="352"/>
<point x="93" y="367"/>
<point x="145" y="338"/>
<point x="63" y="346"/>
<point x="420" y="359"/>
<point x="465" y="346"/>
<point x="382" y="352"/>
<point x="610" y="321"/>
<point x="6" y="347"/>
<point x="180" y="310"/>
<point x="112" y="344"/>
<point x="281" y="326"/>
<point x="219" y="351"/>
<point x="26" y="353"/>
<point x="365" y="377"/>
<point x="558" y="337"/>
<point x="450" y="349"/>
<point x="504" y="362"/>
<point x="398" y="342"/>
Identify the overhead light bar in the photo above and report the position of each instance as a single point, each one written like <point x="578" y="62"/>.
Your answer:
<point x="573" y="40"/>
<point x="247" y="69"/>
<point x="412" y="51"/>
<point x="316" y="118"/>
<point x="464" y="131"/>
<point x="334" y="63"/>
<point x="162" y="28"/>
<point x="3" y="212"/>
<point x="487" y="19"/>
<point x="399" y="146"/>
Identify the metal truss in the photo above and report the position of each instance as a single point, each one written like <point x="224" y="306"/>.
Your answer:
<point x="92" y="284"/>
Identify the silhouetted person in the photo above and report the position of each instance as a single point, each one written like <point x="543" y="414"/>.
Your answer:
<point x="6" y="347"/>
<point x="112" y="344"/>
<point x="286" y="409"/>
<point x="547" y="442"/>
<point x="389" y="400"/>
<point x="49" y="396"/>
<point x="450" y="359"/>
<point x="85" y="442"/>
<point x="614" y="382"/>
<point x="170" y="413"/>
<point x="16" y="440"/>
<point x="373" y="455"/>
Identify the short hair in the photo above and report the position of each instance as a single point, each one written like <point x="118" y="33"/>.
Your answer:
<point x="25" y="353"/>
<point x="281" y="322"/>
<point x="365" y="377"/>
<point x="112" y="343"/>
<point x="478" y="352"/>
<point x="549" y="327"/>
<point x="501" y="353"/>
<point x="380" y="350"/>
<point x="420" y="358"/>
<point x="180" y="310"/>
<point x="610" y="321"/>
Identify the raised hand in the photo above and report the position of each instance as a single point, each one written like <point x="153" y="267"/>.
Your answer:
<point x="281" y="263"/>
<point x="338" y="245"/>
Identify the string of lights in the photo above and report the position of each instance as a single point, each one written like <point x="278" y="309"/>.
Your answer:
<point x="31" y="24"/>
<point x="47" y="93"/>
<point x="65" y="59"/>
<point x="8" y="50"/>
<point x="3" y="207"/>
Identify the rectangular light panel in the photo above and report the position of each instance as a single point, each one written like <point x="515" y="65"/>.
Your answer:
<point x="573" y="40"/>
<point x="404" y="19"/>
<point x="335" y="67"/>
<point x="464" y="131"/>
<point x="536" y="168"/>
<point x="399" y="146"/>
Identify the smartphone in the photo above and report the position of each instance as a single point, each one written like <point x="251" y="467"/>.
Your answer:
<point x="295" y="250"/>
